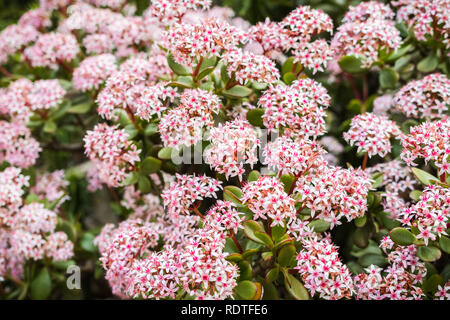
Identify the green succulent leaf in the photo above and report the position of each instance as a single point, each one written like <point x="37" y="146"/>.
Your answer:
<point x="429" y="253"/>
<point x="254" y="116"/>
<point x="402" y="237"/>
<point x="351" y="64"/>
<point x="41" y="286"/>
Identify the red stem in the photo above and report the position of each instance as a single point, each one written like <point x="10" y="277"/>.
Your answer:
<point x="236" y="242"/>
<point x="364" y="164"/>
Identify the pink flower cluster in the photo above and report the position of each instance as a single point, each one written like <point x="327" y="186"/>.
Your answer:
<point x="26" y="231"/>
<point x="233" y="145"/>
<point x="107" y="31"/>
<point x="443" y="292"/>
<point x="51" y="186"/>
<point x="150" y="100"/>
<point x="49" y="5"/>
<point x="332" y="193"/>
<point x="182" y="195"/>
<point x="12" y="184"/>
<point x="17" y="146"/>
<point x="267" y="200"/>
<point x="15" y="37"/>
<point x="298" y="108"/>
<point x="367" y="30"/>
<point x="194" y="262"/>
<point x="295" y="33"/>
<point x="24" y="97"/>
<point x="112" y="153"/>
<point x="184" y="124"/>
<point x="372" y="133"/>
<point x="113" y="95"/>
<point x="302" y="25"/>
<point x="37" y="18"/>
<point x="400" y="281"/>
<point x="426" y="98"/>
<point x="142" y="206"/>
<point x="123" y="245"/>
<point x="369" y="10"/>
<point x="430" y="214"/>
<point x="93" y="71"/>
<point x="52" y="49"/>
<point x="271" y="36"/>
<point x="223" y="217"/>
<point x="246" y="67"/>
<point x="322" y="271"/>
<point x="397" y="179"/>
<point x="296" y="157"/>
<point x="189" y="43"/>
<point x="430" y="141"/>
<point x="199" y="268"/>
<point x="169" y="12"/>
<point x="428" y="18"/>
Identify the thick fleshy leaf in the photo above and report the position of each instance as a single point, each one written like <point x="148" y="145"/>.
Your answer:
<point x="234" y="257"/>
<point x="264" y="237"/>
<point x="80" y="108"/>
<point x="249" y="253"/>
<point x="415" y="195"/>
<point x="295" y="287"/>
<point x="131" y="131"/>
<point x="165" y="153"/>
<point x="233" y="194"/>
<point x="248" y="290"/>
<point x="319" y="225"/>
<point x="288" y="180"/>
<point x="351" y="64"/>
<point x="428" y="64"/>
<point x="402" y="236"/>
<point x="237" y="92"/>
<point x="87" y="242"/>
<point x="272" y="274"/>
<point x="254" y="116"/>
<point x="50" y="127"/>
<point x="245" y="271"/>
<point x="150" y="165"/>
<point x="250" y="227"/>
<point x="361" y="221"/>
<point x="444" y="243"/>
<point x="289" y="77"/>
<point x="253" y="176"/>
<point x="288" y="66"/>
<point x="429" y="254"/>
<point x="388" y="78"/>
<point x="285" y="255"/>
<point x="176" y="67"/>
<point x="370" y="258"/>
<point x="424" y="177"/>
<point x="144" y="184"/>
<point x="151" y="129"/>
<point x="132" y="178"/>
<point x="41" y="286"/>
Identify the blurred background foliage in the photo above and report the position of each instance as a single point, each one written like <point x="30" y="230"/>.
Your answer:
<point x="251" y="10"/>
